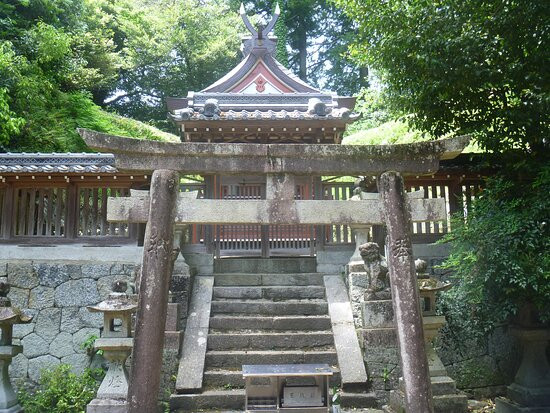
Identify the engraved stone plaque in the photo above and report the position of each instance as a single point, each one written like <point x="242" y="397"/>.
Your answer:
<point x="302" y="396"/>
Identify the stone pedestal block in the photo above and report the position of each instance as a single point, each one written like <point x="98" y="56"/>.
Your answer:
<point x="107" y="406"/>
<point x="530" y="392"/>
<point x="361" y="233"/>
<point x="173" y="317"/>
<point x="173" y="340"/>
<point x="377" y="314"/>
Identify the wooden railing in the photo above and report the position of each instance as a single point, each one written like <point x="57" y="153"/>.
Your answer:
<point x="92" y="213"/>
<point x="63" y="210"/>
<point x="338" y="191"/>
<point x="60" y="210"/>
<point x="39" y="212"/>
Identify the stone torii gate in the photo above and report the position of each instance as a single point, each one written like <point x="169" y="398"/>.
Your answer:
<point x="280" y="163"/>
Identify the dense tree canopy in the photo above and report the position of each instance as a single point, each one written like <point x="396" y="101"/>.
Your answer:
<point x="61" y="61"/>
<point x="464" y="66"/>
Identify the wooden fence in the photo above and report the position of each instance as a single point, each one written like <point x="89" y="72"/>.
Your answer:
<point x="60" y="210"/>
<point x="77" y="210"/>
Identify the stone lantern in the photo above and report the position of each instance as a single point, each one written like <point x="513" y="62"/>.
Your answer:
<point x="116" y="343"/>
<point x="428" y="288"/>
<point x="445" y="396"/>
<point x="8" y="317"/>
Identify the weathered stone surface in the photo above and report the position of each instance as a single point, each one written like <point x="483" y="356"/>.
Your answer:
<point x="38" y="364"/>
<point x="275" y="158"/>
<point x="47" y="323"/>
<point x="206" y="211"/>
<point x="96" y="271"/>
<point x="70" y="320"/>
<point x="404" y="292"/>
<point x="79" y="362"/>
<point x="191" y="365"/>
<point x="19" y="297"/>
<point x="22" y="275"/>
<point x="41" y="297"/>
<point x="89" y="319"/>
<point x="81" y="336"/>
<point x="130" y="269"/>
<point x="350" y="359"/>
<point x="21" y="330"/>
<point x="62" y="345"/>
<point x="77" y="293"/>
<point x="52" y="275"/>
<point x="107" y="405"/>
<point x="34" y="346"/>
<point x="116" y="269"/>
<point x="3" y="269"/>
<point x="105" y="284"/>
<point x="378" y="314"/>
<point x="19" y="366"/>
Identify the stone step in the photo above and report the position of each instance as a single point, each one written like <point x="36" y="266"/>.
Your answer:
<point x="358" y="400"/>
<point x="272" y="265"/>
<point x="291" y="322"/>
<point x="234" y="379"/>
<point x="234" y="399"/>
<point x="268" y="279"/>
<point x="270" y="292"/>
<point x="264" y="307"/>
<point x="269" y="340"/>
<point x="234" y="359"/>
<point x="219" y="399"/>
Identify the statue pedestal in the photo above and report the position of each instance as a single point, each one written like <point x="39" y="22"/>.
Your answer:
<point x="446" y="398"/>
<point x="112" y="393"/>
<point x="530" y="391"/>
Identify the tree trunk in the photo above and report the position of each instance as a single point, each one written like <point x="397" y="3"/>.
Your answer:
<point x="302" y="54"/>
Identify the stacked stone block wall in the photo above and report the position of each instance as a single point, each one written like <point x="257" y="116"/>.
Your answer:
<point x="56" y="295"/>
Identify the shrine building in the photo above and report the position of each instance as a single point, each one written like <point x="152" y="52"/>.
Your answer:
<point x="261" y="101"/>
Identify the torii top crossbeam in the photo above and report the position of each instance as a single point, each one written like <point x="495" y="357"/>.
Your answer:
<point x="234" y="158"/>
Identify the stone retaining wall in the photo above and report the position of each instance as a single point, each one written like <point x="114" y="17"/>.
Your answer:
<point x="56" y="294"/>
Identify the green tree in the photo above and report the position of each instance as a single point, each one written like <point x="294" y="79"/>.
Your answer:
<point x="60" y="61"/>
<point x="462" y="66"/>
<point x="171" y="48"/>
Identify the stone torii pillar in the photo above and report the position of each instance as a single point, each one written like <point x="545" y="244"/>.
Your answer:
<point x="153" y="298"/>
<point x="404" y="291"/>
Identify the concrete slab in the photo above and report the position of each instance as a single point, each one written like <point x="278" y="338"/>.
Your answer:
<point x="191" y="367"/>
<point x="350" y="358"/>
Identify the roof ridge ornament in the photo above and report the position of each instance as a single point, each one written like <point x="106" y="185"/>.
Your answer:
<point x="261" y="32"/>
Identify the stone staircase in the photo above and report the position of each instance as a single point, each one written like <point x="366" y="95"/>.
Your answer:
<point x="258" y="318"/>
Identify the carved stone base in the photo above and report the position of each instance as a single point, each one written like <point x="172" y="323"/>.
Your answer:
<point x="107" y="406"/>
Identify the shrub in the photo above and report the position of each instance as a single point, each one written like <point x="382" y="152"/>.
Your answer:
<point x="500" y="253"/>
<point x="60" y="391"/>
